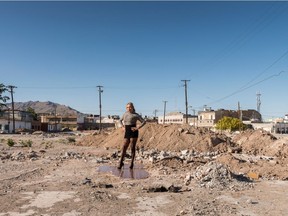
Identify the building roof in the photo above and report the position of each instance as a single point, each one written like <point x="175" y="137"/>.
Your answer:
<point x="175" y="113"/>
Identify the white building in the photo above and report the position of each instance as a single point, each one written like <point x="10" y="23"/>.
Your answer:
<point x="280" y="127"/>
<point x="172" y="117"/>
<point x="177" y="118"/>
<point x="22" y="120"/>
<point x="286" y="118"/>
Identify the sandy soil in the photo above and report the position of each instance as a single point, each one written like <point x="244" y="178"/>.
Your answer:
<point x="179" y="171"/>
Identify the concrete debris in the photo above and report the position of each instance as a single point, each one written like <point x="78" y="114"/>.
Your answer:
<point x="215" y="175"/>
<point x="163" y="188"/>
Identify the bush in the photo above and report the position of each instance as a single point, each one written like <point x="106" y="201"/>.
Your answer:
<point x="229" y="123"/>
<point x="71" y="139"/>
<point x="10" y="142"/>
<point x="27" y="143"/>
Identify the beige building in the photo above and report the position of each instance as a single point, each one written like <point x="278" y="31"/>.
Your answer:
<point x="57" y="123"/>
<point x="171" y="118"/>
<point x="177" y="118"/>
<point x="208" y="117"/>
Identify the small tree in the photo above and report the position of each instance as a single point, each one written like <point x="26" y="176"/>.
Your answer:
<point x="33" y="113"/>
<point x="3" y="99"/>
<point x="229" y="123"/>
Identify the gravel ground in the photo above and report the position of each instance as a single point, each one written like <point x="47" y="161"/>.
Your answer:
<point x="58" y="175"/>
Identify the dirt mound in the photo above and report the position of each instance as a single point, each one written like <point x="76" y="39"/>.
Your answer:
<point x="168" y="138"/>
<point x="260" y="142"/>
<point x="256" y="167"/>
<point x="181" y="137"/>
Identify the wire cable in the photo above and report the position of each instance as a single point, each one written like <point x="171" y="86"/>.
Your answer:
<point x="247" y="87"/>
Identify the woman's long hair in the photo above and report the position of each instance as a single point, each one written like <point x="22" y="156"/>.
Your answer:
<point x="132" y="105"/>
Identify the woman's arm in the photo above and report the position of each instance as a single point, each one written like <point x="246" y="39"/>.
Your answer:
<point x="143" y="122"/>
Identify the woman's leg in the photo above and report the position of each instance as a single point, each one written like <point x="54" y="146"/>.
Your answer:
<point x="124" y="149"/>
<point x="133" y="151"/>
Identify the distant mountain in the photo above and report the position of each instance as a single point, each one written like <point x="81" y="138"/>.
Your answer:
<point x="45" y="107"/>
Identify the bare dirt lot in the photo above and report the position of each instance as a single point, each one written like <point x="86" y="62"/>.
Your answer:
<point x="179" y="171"/>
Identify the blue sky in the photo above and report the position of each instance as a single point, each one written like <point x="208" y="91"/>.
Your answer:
<point x="140" y="52"/>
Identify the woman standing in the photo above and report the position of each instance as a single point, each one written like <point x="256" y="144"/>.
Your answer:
<point x="129" y="120"/>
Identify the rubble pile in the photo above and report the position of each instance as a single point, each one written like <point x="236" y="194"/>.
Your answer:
<point x="174" y="146"/>
<point x="18" y="155"/>
<point x="215" y="175"/>
<point x="197" y="146"/>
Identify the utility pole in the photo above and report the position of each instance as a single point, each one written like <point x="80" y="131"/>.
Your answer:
<point x="13" y="115"/>
<point x="100" y="106"/>
<point x="155" y="113"/>
<point x="55" y="118"/>
<point x="8" y="119"/>
<point x="240" y="115"/>
<point x="258" y="102"/>
<point x="193" y="115"/>
<point x="164" y="111"/>
<point x="239" y="111"/>
<point x="186" y="100"/>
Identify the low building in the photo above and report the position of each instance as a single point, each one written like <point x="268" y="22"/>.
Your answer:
<point x="208" y="117"/>
<point x="88" y="122"/>
<point x="172" y="118"/>
<point x="267" y="126"/>
<point x="280" y="128"/>
<point x="22" y="121"/>
<point x="92" y="122"/>
<point x="58" y="122"/>
<point x="286" y="118"/>
<point x="177" y="118"/>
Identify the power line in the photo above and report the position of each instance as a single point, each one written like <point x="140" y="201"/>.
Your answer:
<point x="56" y="87"/>
<point x="243" y="89"/>
<point x="250" y="31"/>
<point x="92" y="87"/>
<point x="266" y="69"/>
<point x="246" y="86"/>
